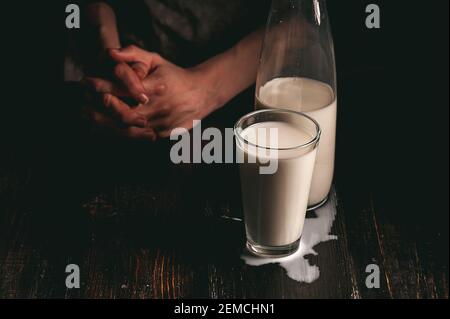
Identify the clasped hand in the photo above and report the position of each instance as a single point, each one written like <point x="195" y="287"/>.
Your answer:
<point x="167" y="96"/>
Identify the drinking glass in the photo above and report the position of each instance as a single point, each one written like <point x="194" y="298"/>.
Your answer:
<point x="275" y="202"/>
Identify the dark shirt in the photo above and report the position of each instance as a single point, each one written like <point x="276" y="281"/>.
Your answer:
<point x="187" y="32"/>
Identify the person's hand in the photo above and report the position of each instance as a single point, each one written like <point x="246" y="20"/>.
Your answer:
<point x="113" y="116"/>
<point x="177" y="96"/>
<point x="102" y="27"/>
<point x="126" y="79"/>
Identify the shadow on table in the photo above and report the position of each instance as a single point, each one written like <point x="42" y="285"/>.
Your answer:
<point x="129" y="191"/>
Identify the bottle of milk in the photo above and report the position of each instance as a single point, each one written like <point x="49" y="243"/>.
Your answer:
<point x="297" y="72"/>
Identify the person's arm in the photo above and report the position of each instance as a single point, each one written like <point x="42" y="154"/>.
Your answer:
<point x="102" y="21"/>
<point x="178" y="96"/>
<point x="224" y="76"/>
<point x="102" y="28"/>
<point x="103" y="24"/>
<point x="233" y="71"/>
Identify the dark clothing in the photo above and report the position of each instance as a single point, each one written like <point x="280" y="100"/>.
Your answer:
<point x="187" y="32"/>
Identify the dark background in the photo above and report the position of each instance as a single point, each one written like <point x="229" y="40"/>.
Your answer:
<point x="393" y="106"/>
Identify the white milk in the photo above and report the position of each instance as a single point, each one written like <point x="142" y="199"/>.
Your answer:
<point x="275" y="205"/>
<point x="317" y="100"/>
<point x="317" y="230"/>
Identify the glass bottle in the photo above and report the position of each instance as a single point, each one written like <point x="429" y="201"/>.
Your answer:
<point x="297" y="72"/>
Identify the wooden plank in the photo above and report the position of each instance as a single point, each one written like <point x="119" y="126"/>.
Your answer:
<point x="363" y="241"/>
<point x="237" y="280"/>
<point x="415" y="265"/>
<point x="163" y="238"/>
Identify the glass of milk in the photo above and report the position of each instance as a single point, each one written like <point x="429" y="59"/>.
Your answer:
<point x="297" y="72"/>
<point x="276" y="150"/>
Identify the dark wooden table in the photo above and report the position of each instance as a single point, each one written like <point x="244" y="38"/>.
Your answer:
<point x="158" y="233"/>
<point x="140" y="229"/>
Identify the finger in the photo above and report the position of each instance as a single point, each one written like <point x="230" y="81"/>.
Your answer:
<point x="164" y="133"/>
<point x="133" y="53"/>
<point x="153" y="86"/>
<point x="101" y="119"/>
<point x="141" y="70"/>
<point x="123" y="112"/>
<point x="104" y="86"/>
<point x="106" y="122"/>
<point x="160" y="123"/>
<point x="131" y="82"/>
<point x="138" y="133"/>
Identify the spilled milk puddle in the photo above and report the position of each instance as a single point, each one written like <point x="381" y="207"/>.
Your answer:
<point x="315" y="231"/>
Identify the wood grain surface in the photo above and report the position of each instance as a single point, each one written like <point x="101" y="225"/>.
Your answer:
<point x="162" y="236"/>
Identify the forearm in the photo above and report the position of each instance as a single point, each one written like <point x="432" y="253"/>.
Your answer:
<point x="102" y="20"/>
<point x="233" y="71"/>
